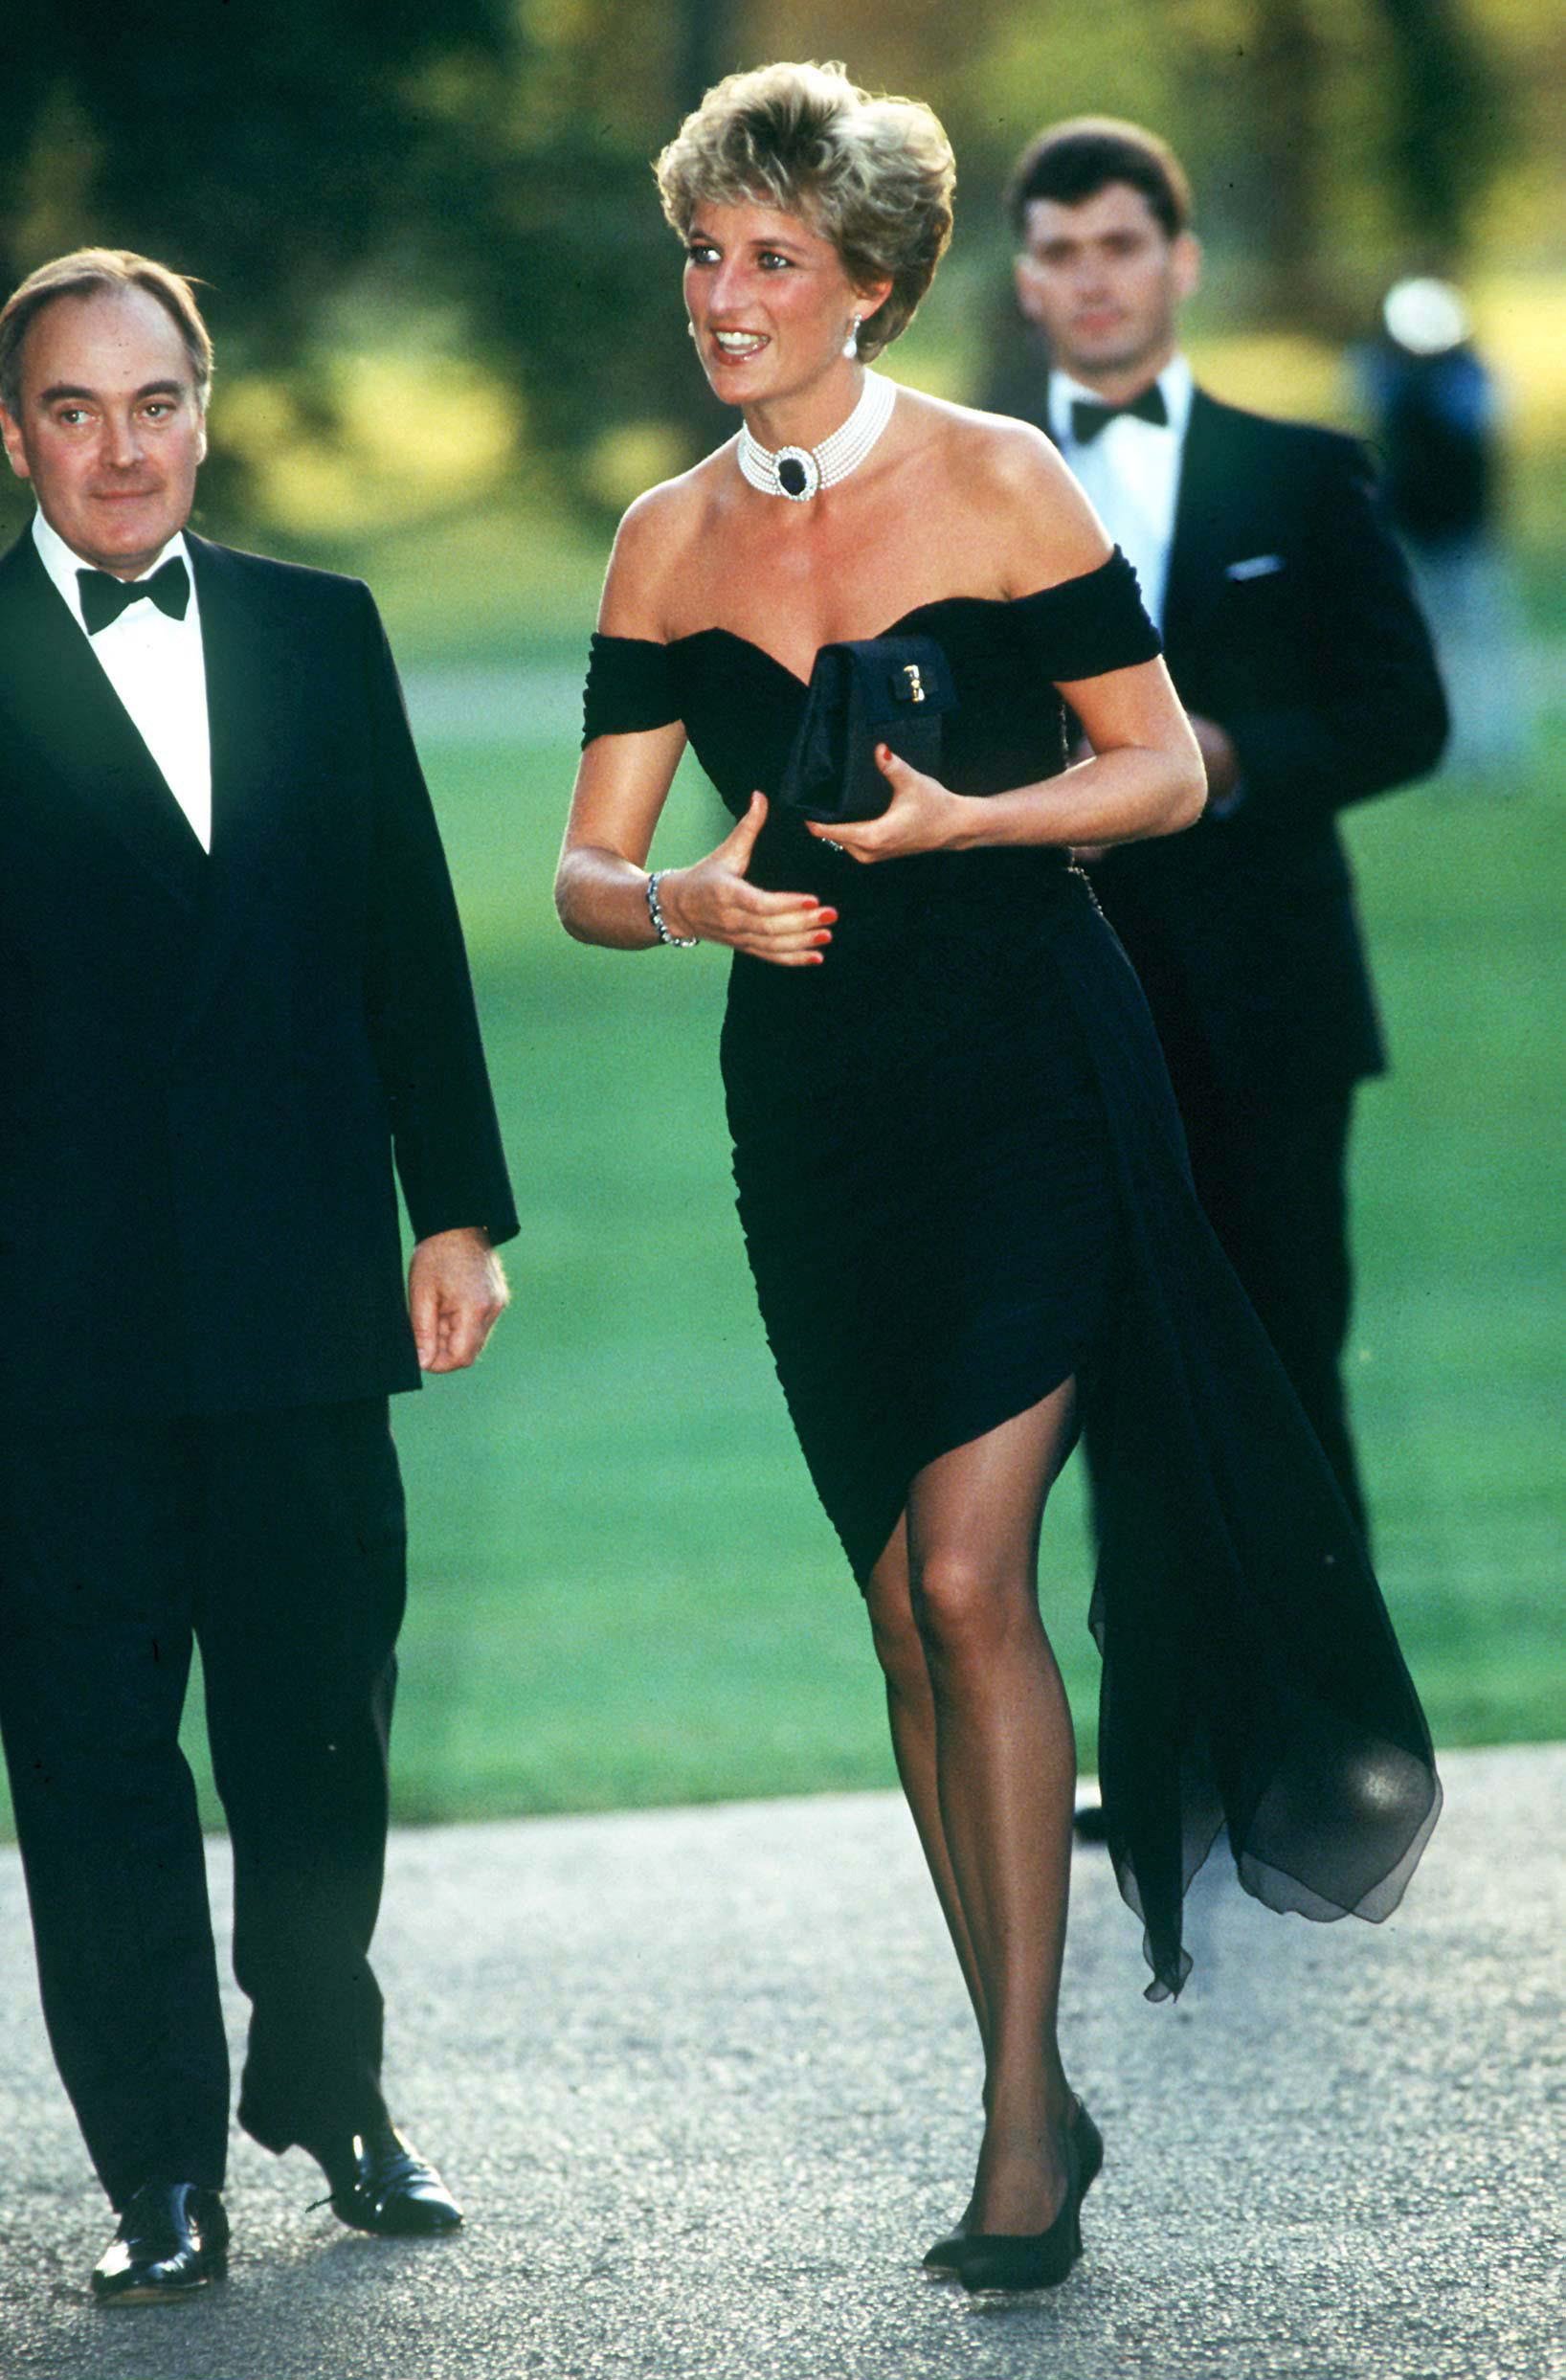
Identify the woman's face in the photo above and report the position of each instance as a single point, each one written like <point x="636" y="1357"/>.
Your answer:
<point x="769" y="303"/>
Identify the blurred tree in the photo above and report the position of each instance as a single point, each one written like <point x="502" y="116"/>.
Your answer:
<point x="1318" y="132"/>
<point x="474" y="174"/>
<point x="570" y="275"/>
<point x="708" y="49"/>
<point x="271" y="151"/>
<point x="1285" y="62"/>
<point x="1441" y="131"/>
<point x="1449" y="122"/>
<point x="457" y="160"/>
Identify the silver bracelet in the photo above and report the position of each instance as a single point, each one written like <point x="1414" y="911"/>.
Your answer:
<point x="676" y="941"/>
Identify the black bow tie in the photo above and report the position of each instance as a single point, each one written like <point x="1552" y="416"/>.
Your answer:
<point x="103" y="598"/>
<point x="1088" y="417"/>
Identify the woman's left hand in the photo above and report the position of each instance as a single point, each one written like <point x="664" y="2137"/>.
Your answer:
<point x="922" y="816"/>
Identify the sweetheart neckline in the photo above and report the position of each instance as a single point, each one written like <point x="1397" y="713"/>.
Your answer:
<point x="732" y="636"/>
<point x="937" y="603"/>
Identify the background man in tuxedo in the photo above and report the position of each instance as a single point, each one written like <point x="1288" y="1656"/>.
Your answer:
<point x="233" y="984"/>
<point x="1298" y="650"/>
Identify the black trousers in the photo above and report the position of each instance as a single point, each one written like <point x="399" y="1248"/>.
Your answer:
<point x="276" y="1541"/>
<point x="1272" y="1177"/>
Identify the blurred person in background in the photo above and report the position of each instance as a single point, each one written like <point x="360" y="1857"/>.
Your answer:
<point x="1300" y="653"/>
<point x="234" y="988"/>
<point x="1435" y="417"/>
<point x="960" y="1174"/>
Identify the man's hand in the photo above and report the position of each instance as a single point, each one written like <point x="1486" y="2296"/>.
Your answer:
<point x="456" y="1294"/>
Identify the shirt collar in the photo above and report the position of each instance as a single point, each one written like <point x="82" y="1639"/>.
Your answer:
<point x="62" y="563"/>
<point x="1174" y="381"/>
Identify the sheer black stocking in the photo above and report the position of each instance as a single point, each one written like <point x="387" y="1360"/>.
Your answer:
<point x="985" y="1749"/>
<point x="910" y="1708"/>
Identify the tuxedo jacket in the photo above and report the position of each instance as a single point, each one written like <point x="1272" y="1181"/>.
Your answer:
<point x="1290" y="619"/>
<point x="208" y="1062"/>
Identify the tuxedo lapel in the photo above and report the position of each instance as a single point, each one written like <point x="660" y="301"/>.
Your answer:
<point x="1195" y="550"/>
<point x="249" y="701"/>
<point x="253" y="711"/>
<point x="58" y="704"/>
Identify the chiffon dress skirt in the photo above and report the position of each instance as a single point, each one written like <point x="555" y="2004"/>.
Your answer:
<point x="962" y="1182"/>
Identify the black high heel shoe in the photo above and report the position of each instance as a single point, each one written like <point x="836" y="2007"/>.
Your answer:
<point x="1010" y="2260"/>
<point x="1088" y="2142"/>
<point x="943" y="2261"/>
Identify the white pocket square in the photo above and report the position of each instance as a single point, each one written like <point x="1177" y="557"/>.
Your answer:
<point x="1260" y="566"/>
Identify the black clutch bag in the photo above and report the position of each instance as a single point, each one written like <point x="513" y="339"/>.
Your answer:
<point x="893" y="690"/>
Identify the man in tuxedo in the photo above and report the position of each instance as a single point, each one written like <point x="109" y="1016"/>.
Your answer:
<point x="1298" y="650"/>
<point x="234" y="993"/>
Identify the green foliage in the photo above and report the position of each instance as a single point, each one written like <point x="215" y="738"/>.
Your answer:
<point x="474" y="179"/>
<point x="273" y="153"/>
<point x="441" y="169"/>
<point x="1448" y="125"/>
<point x="1328" y="140"/>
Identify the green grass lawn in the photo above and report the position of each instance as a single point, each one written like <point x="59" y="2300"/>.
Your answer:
<point x="624" y="1590"/>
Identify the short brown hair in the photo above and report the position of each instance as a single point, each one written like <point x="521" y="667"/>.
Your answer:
<point x="1072" y="162"/>
<point x="83" y="274"/>
<point x="872" y="175"/>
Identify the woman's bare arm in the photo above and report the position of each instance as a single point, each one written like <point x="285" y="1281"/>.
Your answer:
<point x="622" y="783"/>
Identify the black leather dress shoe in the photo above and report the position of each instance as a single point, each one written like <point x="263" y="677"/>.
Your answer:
<point x="381" y="2184"/>
<point x="174" y="2238"/>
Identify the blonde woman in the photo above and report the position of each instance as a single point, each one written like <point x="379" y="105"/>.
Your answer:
<point x="960" y="1177"/>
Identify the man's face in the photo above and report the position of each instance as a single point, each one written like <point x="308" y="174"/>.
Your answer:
<point x="109" y="430"/>
<point x="1104" y="282"/>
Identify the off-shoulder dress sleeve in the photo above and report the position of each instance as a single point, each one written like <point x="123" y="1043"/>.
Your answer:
<point x="630" y="687"/>
<point x="1086" y="627"/>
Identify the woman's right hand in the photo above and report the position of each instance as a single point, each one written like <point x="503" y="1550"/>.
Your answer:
<point x="714" y="901"/>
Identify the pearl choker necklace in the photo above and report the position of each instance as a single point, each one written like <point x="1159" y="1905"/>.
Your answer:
<point x="800" y="472"/>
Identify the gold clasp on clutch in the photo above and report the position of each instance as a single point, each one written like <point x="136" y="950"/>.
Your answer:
<point x="916" y="685"/>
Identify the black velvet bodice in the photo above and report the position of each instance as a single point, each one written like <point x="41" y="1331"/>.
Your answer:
<point x="741" y="706"/>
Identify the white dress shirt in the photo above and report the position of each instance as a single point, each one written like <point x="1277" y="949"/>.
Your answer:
<point x="1131" y="473"/>
<point x="156" y="667"/>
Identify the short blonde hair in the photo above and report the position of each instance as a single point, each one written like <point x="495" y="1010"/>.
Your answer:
<point x="86" y="273"/>
<point x="874" y="177"/>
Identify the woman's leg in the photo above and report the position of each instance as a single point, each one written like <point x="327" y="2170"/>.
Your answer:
<point x="910" y="1708"/>
<point x="1005" y="1767"/>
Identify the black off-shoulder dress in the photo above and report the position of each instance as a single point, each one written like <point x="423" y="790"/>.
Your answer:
<point x="962" y="1180"/>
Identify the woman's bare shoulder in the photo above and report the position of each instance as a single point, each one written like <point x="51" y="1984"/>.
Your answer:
<point x="1008" y="473"/>
<point x="655" y="547"/>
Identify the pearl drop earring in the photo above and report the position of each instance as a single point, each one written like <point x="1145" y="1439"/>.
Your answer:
<point x="851" y="344"/>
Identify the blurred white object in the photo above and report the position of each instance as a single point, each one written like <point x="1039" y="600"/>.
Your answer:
<point x="1425" y="316"/>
